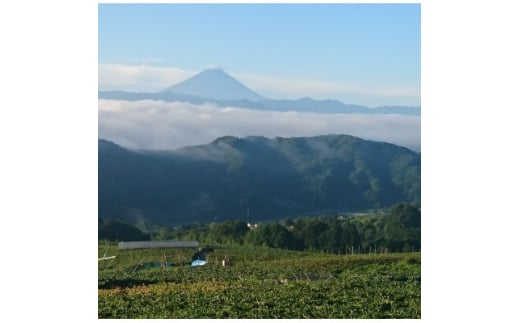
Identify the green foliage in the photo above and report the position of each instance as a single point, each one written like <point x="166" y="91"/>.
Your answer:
<point x="396" y="231"/>
<point x="272" y="235"/>
<point x="228" y="231"/>
<point x="402" y="230"/>
<point x="262" y="282"/>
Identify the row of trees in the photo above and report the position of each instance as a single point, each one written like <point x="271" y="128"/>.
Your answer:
<point x="398" y="230"/>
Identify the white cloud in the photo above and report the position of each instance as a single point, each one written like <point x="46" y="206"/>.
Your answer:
<point x="139" y="78"/>
<point x="169" y="125"/>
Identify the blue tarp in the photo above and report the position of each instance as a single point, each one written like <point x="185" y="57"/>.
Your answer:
<point x="198" y="262"/>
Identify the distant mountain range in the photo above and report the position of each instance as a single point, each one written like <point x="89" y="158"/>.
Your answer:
<point x="217" y="87"/>
<point x="254" y="179"/>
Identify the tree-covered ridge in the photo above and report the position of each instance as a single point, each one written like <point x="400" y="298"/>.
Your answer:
<point x="397" y="230"/>
<point x="255" y="179"/>
<point x="119" y="231"/>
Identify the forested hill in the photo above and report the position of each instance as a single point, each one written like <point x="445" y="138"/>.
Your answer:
<point x="254" y="178"/>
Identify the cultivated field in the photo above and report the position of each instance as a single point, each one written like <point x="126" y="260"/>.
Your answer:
<point x="257" y="282"/>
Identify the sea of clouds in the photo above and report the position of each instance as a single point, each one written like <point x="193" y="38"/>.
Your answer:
<point x="162" y="125"/>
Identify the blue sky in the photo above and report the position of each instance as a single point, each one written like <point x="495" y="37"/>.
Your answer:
<point x="359" y="53"/>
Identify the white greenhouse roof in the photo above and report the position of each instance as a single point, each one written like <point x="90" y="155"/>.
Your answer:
<point x="158" y="244"/>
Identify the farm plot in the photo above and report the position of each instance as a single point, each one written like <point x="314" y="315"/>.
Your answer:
<point x="266" y="283"/>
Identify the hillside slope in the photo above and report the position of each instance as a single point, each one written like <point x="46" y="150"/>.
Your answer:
<point x="254" y="178"/>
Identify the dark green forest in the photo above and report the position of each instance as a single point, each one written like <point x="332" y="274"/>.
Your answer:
<point x="119" y="231"/>
<point x="256" y="179"/>
<point x="397" y="230"/>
